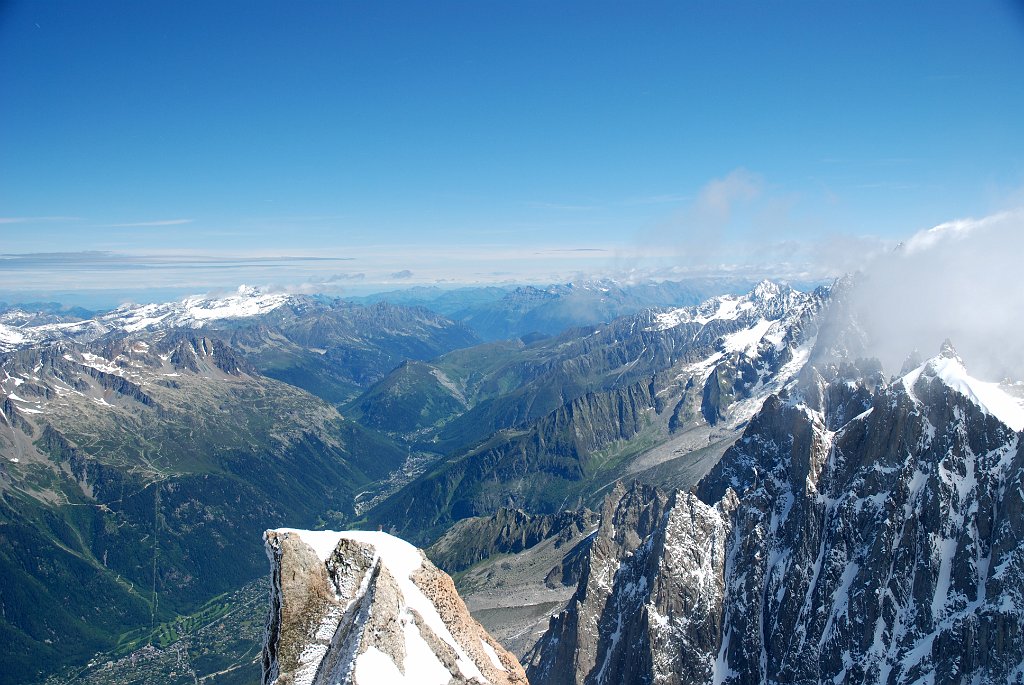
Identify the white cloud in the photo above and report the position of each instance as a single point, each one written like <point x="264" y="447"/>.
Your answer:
<point x="718" y="198"/>
<point x="958" y="280"/>
<point x="955" y="230"/>
<point x="144" y="224"/>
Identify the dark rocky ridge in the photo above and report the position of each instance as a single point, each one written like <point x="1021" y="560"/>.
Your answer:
<point x="884" y="551"/>
<point x="509" y="531"/>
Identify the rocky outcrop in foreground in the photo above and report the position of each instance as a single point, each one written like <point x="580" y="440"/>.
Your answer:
<point x="365" y="607"/>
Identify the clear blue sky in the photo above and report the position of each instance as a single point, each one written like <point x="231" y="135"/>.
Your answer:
<point x="482" y="141"/>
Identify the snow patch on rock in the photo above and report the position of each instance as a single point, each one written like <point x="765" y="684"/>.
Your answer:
<point x="989" y="397"/>
<point x="381" y="613"/>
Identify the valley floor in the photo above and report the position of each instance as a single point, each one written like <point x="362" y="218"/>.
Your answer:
<point x="225" y="651"/>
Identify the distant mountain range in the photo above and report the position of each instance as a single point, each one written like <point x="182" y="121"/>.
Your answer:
<point x="791" y="498"/>
<point x="495" y="313"/>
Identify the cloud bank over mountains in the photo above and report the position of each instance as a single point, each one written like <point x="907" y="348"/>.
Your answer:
<point x="959" y="280"/>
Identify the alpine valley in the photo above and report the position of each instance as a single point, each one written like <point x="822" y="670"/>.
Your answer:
<point x="694" y="482"/>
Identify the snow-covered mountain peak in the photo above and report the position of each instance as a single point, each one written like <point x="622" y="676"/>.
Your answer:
<point x="600" y="285"/>
<point x="192" y="312"/>
<point x="740" y="349"/>
<point x="720" y="308"/>
<point x="244" y="303"/>
<point x="195" y="311"/>
<point x="870" y="552"/>
<point x="11" y="336"/>
<point x="767" y="290"/>
<point x="989" y="397"/>
<point x="768" y="301"/>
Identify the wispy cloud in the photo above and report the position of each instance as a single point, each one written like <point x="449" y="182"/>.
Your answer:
<point x="573" y="249"/>
<point x="563" y="207"/>
<point x="718" y="198"/>
<point x="958" y="229"/>
<point x="886" y="185"/>
<point x="114" y="260"/>
<point x="149" y="224"/>
<point x="666" y="198"/>
<point x="869" y="161"/>
<point x="742" y="222"/>
<point x="70" y="276"/>
<point x="704" y="228"/>
<point x="36" y="219"/>
<point x="274" y="220"/>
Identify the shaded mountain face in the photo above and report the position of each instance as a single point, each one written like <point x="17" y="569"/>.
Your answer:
<point x="364" y="608"/>
<point x="649" y="603"/>
<point x="336" y="350"/>
<point x="508" y="531"/>
<point x="885" y="549"/>
<point x="742" y="340"/>
<point x="540" y="426"/>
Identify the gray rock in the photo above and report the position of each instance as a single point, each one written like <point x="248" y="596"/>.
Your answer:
<point x="882" y="546"/>
<point x="365" y="608"/>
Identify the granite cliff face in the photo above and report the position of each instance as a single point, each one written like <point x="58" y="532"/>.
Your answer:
<point x="882" y="546"/>
<point x="649" y="605"/>
<point x="365" y="607"/>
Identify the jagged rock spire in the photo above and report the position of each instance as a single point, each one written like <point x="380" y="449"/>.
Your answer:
<point x="912" y="361"/>
<point x="947" y="350"/>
